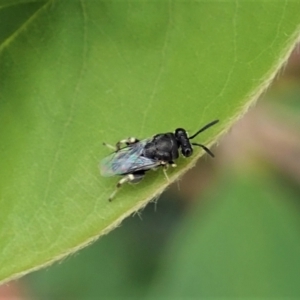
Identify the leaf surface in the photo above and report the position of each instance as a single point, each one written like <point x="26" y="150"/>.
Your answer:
<point x="75" y="74"/>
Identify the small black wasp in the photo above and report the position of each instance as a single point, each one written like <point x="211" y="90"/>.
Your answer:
<point x="138" y="157"/>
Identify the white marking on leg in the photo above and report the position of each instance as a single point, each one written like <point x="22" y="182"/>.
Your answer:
<point x="130" y="177"/>
<point x="123" y="180"/>
<point x="123" y="141"/>
<point x="131" y="140"/>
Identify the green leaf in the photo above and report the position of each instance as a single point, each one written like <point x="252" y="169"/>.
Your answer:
<point x="245" y="244"/>
<point x="74" y="74"/>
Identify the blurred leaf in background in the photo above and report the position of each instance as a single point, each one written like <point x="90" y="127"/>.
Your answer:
<point x="246" y="244"/>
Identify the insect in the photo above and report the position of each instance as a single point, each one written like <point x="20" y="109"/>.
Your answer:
<point x="139" y="156"/>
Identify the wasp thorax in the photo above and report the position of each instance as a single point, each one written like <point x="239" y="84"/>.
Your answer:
<point x="162" y="147"/>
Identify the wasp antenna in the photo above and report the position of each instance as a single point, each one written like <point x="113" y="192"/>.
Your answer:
<point x="204" y="148"/>
<point x="204" y="128"/>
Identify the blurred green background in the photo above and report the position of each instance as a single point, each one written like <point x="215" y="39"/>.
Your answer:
<point x="229" y="228"/>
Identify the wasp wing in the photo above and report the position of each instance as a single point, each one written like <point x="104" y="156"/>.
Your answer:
<point x="127" y="160"/>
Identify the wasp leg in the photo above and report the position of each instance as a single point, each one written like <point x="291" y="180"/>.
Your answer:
<point x="109" y="146"/>
<point x="166" y="166"/>
<point x="166" y="174"/>
<point x="172" y="164"/>
<point x="129" y="141"/>
<point x="131" y="178"/>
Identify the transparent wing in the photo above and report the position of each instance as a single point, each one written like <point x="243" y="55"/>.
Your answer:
<point x="127" y="160"/>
